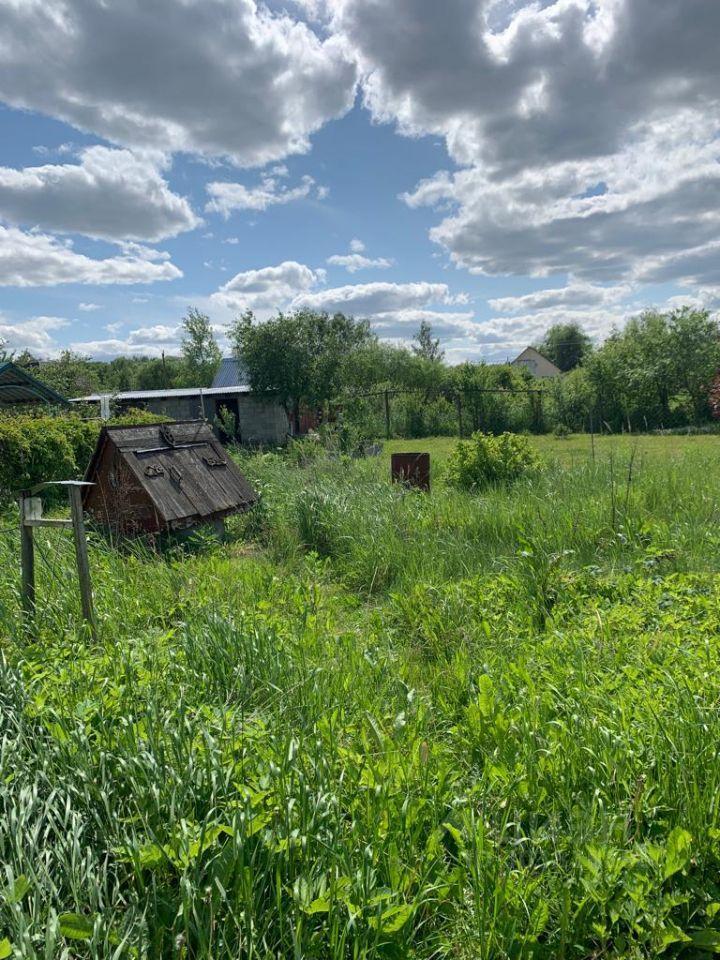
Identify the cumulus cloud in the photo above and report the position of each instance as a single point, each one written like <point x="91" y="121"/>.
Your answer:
<point x="268" y="288"/>
<point x="150" y="341"/>
<point x="110" y="195"/>
<point x="227" y="197"/>
<point x="394" y="309"/>
<point x="36" y="259"/>
<point x="356" y="261"/>
<point x="367" y="299"/>
<point x="571" y="295"/>
<point x="214" y="77"/>
<point x="587" y="131"/>
<point x="35" y="335"/>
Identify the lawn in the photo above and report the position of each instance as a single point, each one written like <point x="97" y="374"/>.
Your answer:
<point x="377" y="723"/>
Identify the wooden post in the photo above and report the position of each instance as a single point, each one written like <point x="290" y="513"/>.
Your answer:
<point x="27" y="560"/>
<point x="81" y="553"/>
<point x="387" y="415"/>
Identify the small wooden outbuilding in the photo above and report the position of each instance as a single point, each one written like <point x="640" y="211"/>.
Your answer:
<point x="163" y="477"/>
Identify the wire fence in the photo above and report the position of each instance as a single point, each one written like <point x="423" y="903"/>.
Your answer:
<point x="417" y="412"/>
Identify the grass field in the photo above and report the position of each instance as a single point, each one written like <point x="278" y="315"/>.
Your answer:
<point x="377" y="723"/>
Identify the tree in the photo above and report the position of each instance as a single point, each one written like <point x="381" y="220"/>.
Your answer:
<point x="299" y="356"/>
<point x="199" y="348"/>
<point x="566" y="344"/>
<point x="72" y="375"/>
<point x="4" y="353"/>
<point x="427" y="346"/>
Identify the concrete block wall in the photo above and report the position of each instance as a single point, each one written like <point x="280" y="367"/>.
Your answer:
<point x="261" y="421"/>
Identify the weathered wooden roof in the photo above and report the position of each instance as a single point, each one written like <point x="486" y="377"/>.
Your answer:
<point x="182" y="467"/>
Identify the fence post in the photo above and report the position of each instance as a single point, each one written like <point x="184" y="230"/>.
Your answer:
<point x="27" y="560"/>
<point x="81" y="553"/>
<point x="387" y="414"/>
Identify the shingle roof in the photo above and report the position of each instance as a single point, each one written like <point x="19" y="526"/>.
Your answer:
<point x="18" y="386"/>
<point x="231" y="373"/>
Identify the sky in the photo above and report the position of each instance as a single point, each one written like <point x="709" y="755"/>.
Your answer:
<point x="491" y="166"/>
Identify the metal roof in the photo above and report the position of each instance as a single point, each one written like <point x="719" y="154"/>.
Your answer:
<point x="159" y="394"/>
<point x="18" y="386"/>
<point x="231" y="373"/>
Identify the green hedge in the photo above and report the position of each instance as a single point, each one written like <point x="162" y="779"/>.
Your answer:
<point x="38" y="448"/>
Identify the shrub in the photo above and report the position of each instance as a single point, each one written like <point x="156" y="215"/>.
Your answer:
<point x="485" y="459"/>
<point x="37" y="448"/>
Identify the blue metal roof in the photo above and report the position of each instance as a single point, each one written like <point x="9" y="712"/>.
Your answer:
<point x="231" y="373"/>
<point x="18" y="386"/>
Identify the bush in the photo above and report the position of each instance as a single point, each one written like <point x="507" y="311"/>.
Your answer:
<point x="38" y="448"/>
<point x="485" y="459"/>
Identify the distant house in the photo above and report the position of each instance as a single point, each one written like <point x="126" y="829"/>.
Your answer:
<point x="229" y="405"/>
<point x="536" y="363"/>
<point x="19" y="389"/>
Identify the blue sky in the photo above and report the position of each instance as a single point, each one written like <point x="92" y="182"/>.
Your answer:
<point x="491" y="166"/>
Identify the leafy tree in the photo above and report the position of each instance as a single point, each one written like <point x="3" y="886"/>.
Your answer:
<point x="71" y="374"/>
<point x="566" y="344"/>
<point x="4" y="353"/>
<point x="199" y="348"/>
<point x="300" y="356"/>
<point x="426" y="346"/>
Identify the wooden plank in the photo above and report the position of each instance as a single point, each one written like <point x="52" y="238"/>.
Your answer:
<point x="27" y="562"/>
<point x="81" y="554"/>
<point x="47" y="522"/>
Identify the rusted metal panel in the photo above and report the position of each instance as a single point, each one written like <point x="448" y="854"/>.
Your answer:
<point x="164" y="477"/>
<point x="412" y="469"/>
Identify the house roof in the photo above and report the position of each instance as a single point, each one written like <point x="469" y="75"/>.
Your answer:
<point x="533" y="353"/>
<point x="159" y="394"/>
<point x="231" y="373"/>
<point x="181" y="467"/>
<point x="18" y="386"/>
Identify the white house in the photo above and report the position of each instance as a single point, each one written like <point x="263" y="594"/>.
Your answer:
<point x="536" y="363"/>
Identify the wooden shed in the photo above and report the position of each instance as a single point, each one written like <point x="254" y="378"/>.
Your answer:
<point x="163" y="477"/>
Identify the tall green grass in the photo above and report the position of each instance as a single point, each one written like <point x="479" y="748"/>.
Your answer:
<point x="376" y="724"/>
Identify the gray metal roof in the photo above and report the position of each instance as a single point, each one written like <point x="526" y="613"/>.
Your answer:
<point x="231" y="373"/>
<point x="159" y="394"/>
<point x="18" y="386"/>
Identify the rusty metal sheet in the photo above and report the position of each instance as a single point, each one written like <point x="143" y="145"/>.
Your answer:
<point x="412" y="469"/>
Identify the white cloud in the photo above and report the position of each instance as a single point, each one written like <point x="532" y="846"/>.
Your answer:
<point x="356" y="261"/>
<point x="227" y="197"/>
<point x="151" y="341"/>
<point x="268" y="288"/>
<point x="35" y="259"/>
<point x="572" y="295"/>
<point x="89" y="307"/>
<point x="394" y="309"/>
<point x="111" y="195"/>
<point x="357" y="246"/>
<point x="35" y="335"/>
<point x="367" y="299"/>
<point x="214" y="77"/>
<point x="587" y="131"/>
